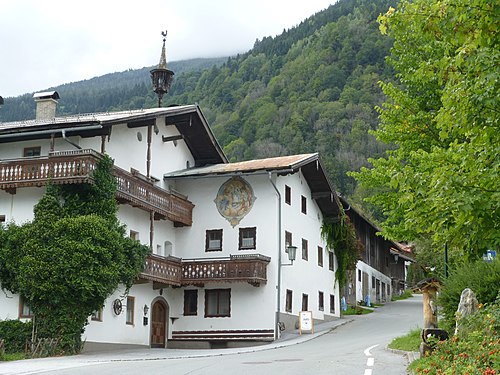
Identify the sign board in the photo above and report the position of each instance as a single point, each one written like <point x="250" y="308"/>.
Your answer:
<point x="490" y="255"/>
<point x="306" y="322"/>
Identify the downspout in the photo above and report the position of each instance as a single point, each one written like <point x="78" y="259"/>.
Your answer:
<point x="63" y="132"/>
<point x="278" y="298"/>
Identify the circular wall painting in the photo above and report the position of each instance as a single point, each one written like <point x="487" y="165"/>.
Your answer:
<point x="234" y="199"/>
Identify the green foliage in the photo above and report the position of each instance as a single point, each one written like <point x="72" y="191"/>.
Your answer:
<point x="357" y="310"/>
<point x="476" y="352"/>
<point x="441" y="180"/>
<point x="340" y="237"/>
<point x="409" y="342"/>
<point x="15" y="333"/>
<point x="405" y="295"/>
<point x="71" y="257"/>
<point x="483" y="278"/>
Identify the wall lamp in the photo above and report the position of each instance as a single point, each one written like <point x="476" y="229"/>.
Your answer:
<point x="292" y="252"/>
<point x="146" y="309"/>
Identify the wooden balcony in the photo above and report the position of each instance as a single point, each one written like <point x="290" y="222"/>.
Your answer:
<point x="161" y="270"/>
<point x="238" y="268"/>
<point x="76" y="167"/>
<point x="182" y="272"/>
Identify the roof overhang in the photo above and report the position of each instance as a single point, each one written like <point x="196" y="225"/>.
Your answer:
<point x="189" y="121"/>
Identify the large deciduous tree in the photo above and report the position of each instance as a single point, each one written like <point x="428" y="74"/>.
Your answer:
<point x="70" y="257"/>
<point x="442" y="178"/>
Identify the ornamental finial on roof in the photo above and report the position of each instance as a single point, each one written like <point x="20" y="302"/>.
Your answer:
<point x="163" y="58"/>
<point x="161" y="77"/>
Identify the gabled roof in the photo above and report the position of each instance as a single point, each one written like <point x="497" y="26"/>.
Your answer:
<point x="309" y="164"/>
<point x="396" y="247"/>
<point x="188" y="119"/>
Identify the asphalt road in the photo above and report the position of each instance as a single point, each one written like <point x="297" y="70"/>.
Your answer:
<point x="358" y="347"/>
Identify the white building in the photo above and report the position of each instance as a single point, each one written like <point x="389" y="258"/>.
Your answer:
<point x="219" y="273"/>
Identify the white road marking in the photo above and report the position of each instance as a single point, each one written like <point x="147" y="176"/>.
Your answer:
<point x="368" y="371"/>
<point x="367" y="350"/>
<point x="370" y="361"/>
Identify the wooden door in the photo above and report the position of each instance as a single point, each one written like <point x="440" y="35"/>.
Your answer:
<point x="158" y="325"/>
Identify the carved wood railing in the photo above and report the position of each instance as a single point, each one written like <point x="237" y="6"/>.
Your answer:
<point x="76" y="167"/>
<point x="247" y="268"/>
<point x="60" y="168"/>
<point x="162" y="270"/>
<point x="181" y="272"/>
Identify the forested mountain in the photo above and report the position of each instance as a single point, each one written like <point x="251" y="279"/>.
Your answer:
<point x="130" y="89"/>
<point x="312" y="88"/>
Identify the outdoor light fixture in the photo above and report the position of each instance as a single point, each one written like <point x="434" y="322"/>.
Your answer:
<point x="146" y="309"/>
<point x="161" y="77"/>
<point x="292" y="252"/>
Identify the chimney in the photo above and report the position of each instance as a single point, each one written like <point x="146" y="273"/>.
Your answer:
<point x="46" y="103"/>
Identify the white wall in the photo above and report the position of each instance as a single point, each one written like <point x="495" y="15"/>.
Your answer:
<point x="305" y="276"/>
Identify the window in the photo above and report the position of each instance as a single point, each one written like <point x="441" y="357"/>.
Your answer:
<point x="288" y="304"/>
<point x="305" y="302"/>
<point x="247" y="238"/>
<point x="190" y="302"/>
<point x="332" y="303"/>
<point x="373" y="281"/>
<point x="288" y="239"/>
<point x="2" y="219"/>
<point x="388" y="289"/>
<point x="134" y="235"/>
<point x="305" y="251"/>
<point x="320" y="256"/>
<point x="24" y="309"/>
<point x="217" y="303"/>
<point x="97" y="315"/>
<point x="32" y="151"/>
<point x="321" y="301"/>
<point x="213" y="240"/>
<point x="330" y="261"/>
<point x="288" y="195"/>
<point x="130" y="310"/>
<point x="304" y="204"/>
<point x="359" y="275"/>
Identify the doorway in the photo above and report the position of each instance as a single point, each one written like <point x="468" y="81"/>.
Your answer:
<point x="159" y="323"/>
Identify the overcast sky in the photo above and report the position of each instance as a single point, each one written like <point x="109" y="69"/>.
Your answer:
<point x="46" y="43"/>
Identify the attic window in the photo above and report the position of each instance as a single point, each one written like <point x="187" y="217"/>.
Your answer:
<point x="32" y="151"/>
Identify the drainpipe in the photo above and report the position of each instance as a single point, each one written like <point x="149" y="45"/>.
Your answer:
<point x="278" y="300"/>
<point x="63" y="132"/>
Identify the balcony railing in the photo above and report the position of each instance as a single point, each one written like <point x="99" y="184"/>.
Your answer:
<point x="248" y="268"/>
<point x="237" y="268"/>
<point x="162" y="270"/>
<point x="76" y="167"/>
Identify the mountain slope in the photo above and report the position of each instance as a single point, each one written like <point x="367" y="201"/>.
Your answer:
<point x="312" y="88"/>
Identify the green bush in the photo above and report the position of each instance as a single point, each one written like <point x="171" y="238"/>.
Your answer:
<point x="15" y="333"/>
<point x="481" y="277"/>
<point x="476" y="351"/>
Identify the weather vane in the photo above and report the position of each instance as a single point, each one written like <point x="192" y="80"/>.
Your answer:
<point x="164" y="34"/>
